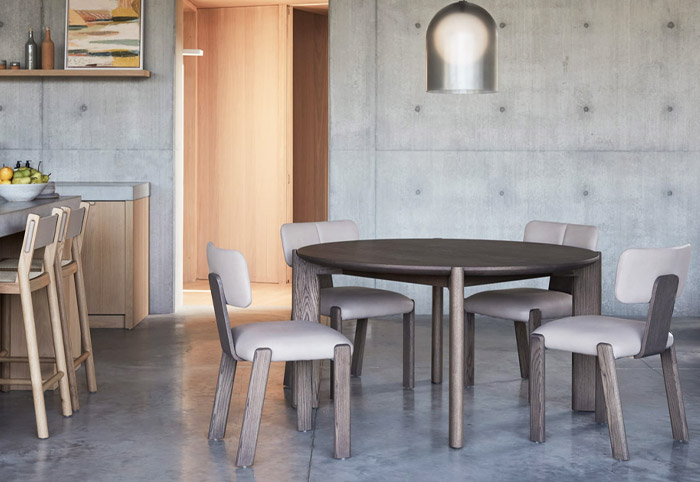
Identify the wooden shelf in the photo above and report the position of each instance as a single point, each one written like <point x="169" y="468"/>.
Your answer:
<point x="75" y="73"/>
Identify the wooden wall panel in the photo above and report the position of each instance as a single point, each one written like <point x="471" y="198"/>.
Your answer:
<point x="242" y="151"/>
<point x="310" y="116"/>
<point x="190" y="149"/>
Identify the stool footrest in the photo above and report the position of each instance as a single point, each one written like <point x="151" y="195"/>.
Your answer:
<point x="78" y="361"/>
<point x="24" y="359"/>
<point x="26" y="381"/>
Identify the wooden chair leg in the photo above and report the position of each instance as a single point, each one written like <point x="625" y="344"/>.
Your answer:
<point x="523" y="348"/>
<point x="85" y="337"/>
<point x="302" y="384"/>
<point x="436" y="346"/>
<point x="359" y="347"/>
<point x="5" y="310"/>
<point x="613" y="405"/>
<point x="337" y="325"/>
<point x="42" y="427"/>
<point x="537" y="391"/>
<point x="469" y="349"/>
<point x="67" y="343"/>
<point x="254" y="407"/>
<point x="600" y="412"/>
<point x="222" y="397"/>
<point x="674" y="395"/>
<point x="315" y="382"/>
<point x="288" y="374"/>
<point x="58" y="348"/>
<point x="522" y="335"/>
<point x="341" y="403"/>
<point x="409" y="349"/>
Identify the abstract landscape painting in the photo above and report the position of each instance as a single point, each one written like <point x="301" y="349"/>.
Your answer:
<point x="104" y="34"/>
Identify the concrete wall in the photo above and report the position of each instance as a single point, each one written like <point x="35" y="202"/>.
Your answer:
<point x="596" y="122"/>
<point x="98" y="130"/>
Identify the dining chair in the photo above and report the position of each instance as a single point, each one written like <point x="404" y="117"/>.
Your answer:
<point x="353" y="302"/>
<point x="299" y="341"/>
<point x="651" y="276"/>
<point x="68" y="265"/>
<point x="24" y="281"/>
<point x="527" y="307"/>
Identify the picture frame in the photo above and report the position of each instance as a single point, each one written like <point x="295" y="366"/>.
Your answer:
<point x="104" y="35"/>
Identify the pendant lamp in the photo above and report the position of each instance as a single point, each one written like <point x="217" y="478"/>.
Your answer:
<point x="462" y="50"/>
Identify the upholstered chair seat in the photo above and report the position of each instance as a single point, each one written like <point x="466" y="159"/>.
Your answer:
<point x="287" y="340"/>
<point x="582" y="334"/>
<point x="515" y="304"/>
<point x="356" y="302"/>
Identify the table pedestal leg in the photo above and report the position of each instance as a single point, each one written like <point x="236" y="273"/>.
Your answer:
<point x="436" y="350"/>
<point x="587" y="301"/>
<point x="456" y="358"/>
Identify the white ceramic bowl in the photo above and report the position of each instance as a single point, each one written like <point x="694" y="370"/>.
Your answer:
<point x="20" y="192"/>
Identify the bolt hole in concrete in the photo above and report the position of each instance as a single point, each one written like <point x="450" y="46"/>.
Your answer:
<point x="502" y="25"/>
<point x="671" y="25"/>
<point x="0" y="108"/>
<point x="670" y="193"/>
<point x="586" y="25"/>
<point x="417" y="192"/>
<point x="83" y="108"/>
<point x="670" y="109"/>
<point x="502" y="193"/>
<point x="586" y="109"/>
<point x="417" y="108"/>
<point x="502" y="109"/>
<point x="417" y="25"/>
<point x="585" y="193"/>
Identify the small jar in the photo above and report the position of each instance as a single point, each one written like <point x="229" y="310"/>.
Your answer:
<point x="3" y="64"/>
<point x="14" y="66"/>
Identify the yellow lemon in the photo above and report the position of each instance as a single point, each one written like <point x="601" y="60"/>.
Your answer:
<point x="6" y="173"/>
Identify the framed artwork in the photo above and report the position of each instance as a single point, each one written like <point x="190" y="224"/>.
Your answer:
<point x="104" y="34"/>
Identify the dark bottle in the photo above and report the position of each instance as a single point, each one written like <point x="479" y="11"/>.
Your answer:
<point x="31" y="53"/>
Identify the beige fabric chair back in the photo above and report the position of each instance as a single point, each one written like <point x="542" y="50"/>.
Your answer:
<point x="564" y="234"/>
<point x="231" y="267"/>
<point x="638" y="269"/>
<point x="297" y="235"/>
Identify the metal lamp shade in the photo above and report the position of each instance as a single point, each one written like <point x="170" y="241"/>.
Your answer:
<point x="462" y="50"/>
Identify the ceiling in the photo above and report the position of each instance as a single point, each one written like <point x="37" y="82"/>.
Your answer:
<point x="248" y="3"/>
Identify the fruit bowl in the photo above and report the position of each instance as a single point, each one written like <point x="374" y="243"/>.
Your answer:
<point x="20" y="192"/>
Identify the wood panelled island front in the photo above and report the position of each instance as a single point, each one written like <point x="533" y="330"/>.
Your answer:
<point x="115" y="253"/>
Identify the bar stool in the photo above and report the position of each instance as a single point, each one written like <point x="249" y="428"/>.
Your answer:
<point x="39" y="233"/>
<point x="70" y="241"/>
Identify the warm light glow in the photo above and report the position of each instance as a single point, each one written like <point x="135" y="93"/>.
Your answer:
<point x="461" y="39"/>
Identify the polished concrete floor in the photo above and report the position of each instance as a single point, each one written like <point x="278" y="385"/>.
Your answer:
<point x="149" y="419"/>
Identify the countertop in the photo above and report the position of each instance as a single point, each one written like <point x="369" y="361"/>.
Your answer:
<point x="105" y="191"/>
<point x="13" y="215"/>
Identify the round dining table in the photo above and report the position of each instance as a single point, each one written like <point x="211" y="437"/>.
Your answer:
<point x="456" y="264"/>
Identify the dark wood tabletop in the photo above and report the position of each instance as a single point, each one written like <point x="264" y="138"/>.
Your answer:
<point x="478" y="257"/>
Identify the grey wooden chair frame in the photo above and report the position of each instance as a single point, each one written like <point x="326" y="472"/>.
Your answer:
<point x="608" y="406"/>
<point x="258" y="383"/>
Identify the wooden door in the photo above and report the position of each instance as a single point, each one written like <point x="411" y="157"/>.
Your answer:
<point x="242" y="141"/>
<point x="310" y="116"/>
<point x="189" y="243"/>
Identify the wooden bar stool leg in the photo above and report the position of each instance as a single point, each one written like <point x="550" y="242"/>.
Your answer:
<point x="67" y="344"/>
<point x="42" y="427"/>
<point x="58" y="347"/>
<point x="5" y="309"/>
<point x="86" y="339"/>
